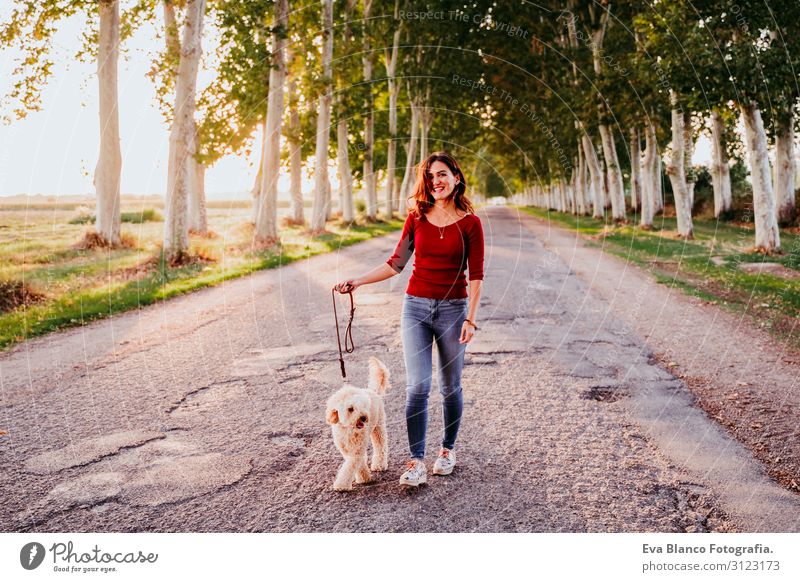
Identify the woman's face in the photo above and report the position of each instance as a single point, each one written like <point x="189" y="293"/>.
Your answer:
<point x="442" y="180"/>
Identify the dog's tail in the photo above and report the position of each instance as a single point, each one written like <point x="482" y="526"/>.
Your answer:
<point x="378" y="376"/>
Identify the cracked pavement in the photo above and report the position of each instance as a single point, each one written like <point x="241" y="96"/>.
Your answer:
<point x="206" y="413"/>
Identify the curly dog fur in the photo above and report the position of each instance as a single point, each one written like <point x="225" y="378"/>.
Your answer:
<point x="357" y="415"/>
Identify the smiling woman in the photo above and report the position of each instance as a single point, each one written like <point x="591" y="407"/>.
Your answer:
<point x="447" y="237"/>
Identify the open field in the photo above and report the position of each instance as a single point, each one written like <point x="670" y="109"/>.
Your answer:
<point x="66" y="285"/>
<point x="718" y="265"/>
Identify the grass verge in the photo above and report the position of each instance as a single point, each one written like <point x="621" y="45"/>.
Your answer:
<point x="74" y="285"/>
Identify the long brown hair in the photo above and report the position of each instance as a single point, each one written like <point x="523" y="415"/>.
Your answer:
<point x="421" y="197"/>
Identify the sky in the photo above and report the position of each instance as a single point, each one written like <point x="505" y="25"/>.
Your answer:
<point x="54" y="151"/>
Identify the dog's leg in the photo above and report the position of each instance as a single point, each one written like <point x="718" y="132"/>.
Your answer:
<point x="362" y="471"/>
<point x="380" y="447"/>
<point x="344" y="478"/>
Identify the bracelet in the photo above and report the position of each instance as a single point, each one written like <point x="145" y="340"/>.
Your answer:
<point x="469" y="321"/>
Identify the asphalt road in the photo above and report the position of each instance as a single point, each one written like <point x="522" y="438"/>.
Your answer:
<point x="206" y="413"/>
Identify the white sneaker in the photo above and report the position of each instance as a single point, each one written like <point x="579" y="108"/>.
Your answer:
<point x="415" y="474"/>
<point x="444" y="462"/>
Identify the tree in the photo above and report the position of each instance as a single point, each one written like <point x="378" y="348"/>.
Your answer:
<point x="30" y="28"/>
<point x="182" y="136"/>
<point x="322" y="187"/>
<point x="108" y="172"/>
<point x="267" y="219"/>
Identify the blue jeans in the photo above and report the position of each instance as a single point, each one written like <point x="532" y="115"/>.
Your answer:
<point x="424" y="321"/>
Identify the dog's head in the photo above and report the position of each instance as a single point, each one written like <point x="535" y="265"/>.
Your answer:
<point x="351" y="409"/>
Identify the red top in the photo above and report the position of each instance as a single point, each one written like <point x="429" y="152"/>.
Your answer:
<point x="442" y="254"/>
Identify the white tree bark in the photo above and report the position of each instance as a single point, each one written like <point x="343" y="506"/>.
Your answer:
<point x="595" y="177"/>
<point x="390" y="61"/>
<point x="108" y="172"/>
<point x="295" y="151"/>
<point x="345" y="174"/>
<point x="255" y="192"/>
<point x="198" y="220"/>
<point x="581" y="184"/>
<point x="369" y="121"/>
<point x="658" y="191"/>
<point x="650" y="179"/>
<point x="425" y="120"/>
<point x="676" y="170"/>
<point x="179" y="181"/>
<point x="767" y="234"/>
<point x="636" y="168"/>
<point x="296" y="169"/>
<point x="267" y="220"/>
<point x="411" y="153"/>
<point x="322" y="199"/>
<point x="720" y="170"/>
<point x="785" y="172"/>
<point x="691" y="178"/>
<point x="616" y="189"/>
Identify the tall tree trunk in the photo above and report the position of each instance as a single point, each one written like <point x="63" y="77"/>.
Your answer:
<point x="425" y="119"/>
<point x="650" y="179"/>
<point x="267" y="220"/>
<point x="720" y="170"/>
<point x="411" y="153"/>
<point x="293" y="136"/>
<point x="691" y="176"/>
<point x="108" y="172"/>
<point x="196" y="204"/>
<point x="176" y="232"/>
<point x="390" y="59"/>
<point x="658" y="191"/>
<point x="345" y="174"/>
<point x="581" y="182"/>
<point x="198" y="216"/>
<point x="784" y="172"/>
<point x="616" y="189"/>
<point x="369" y="121"/>
<point x="636" y="168"/>
<point x="676" y="170"/>
<point x="255" y="192"/>
<point x="322" y="200"/>
<point x="198" y="220"/>
<point x="296" y="169"/>
<point x="595" y="177"/>
<point x="767" y="234"/>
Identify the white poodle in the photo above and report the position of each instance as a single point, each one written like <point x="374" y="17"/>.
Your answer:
<point x="356" y="414"/>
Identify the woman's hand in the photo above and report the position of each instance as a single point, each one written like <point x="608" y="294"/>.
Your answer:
<point x="467" y="332"/>
<point x="347" y="286"/>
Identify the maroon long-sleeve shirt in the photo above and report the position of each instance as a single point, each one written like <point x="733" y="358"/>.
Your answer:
<point x="441" y="256"/>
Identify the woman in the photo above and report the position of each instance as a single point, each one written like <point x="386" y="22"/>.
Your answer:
<point x="447" y="237"/>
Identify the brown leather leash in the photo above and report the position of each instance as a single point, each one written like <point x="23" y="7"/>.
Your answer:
<point x="348" y="333"/>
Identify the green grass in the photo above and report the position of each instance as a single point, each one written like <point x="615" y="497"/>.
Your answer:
<point x="774" y="301"/>
<point x="148" y="215"/>
<point x="40" y="248"/>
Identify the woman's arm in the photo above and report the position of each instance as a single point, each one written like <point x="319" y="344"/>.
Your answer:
<point x="379" y="273"/>
<point x="392" y="267"/>
<point x="467" y="330"/>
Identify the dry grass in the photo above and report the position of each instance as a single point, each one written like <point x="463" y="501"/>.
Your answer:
<point x="14" y="294"/>
<point x="93" y="240"/>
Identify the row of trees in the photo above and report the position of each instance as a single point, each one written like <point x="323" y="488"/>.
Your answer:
<point x="619" y="73"/>
<point x="551" y="99"/>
